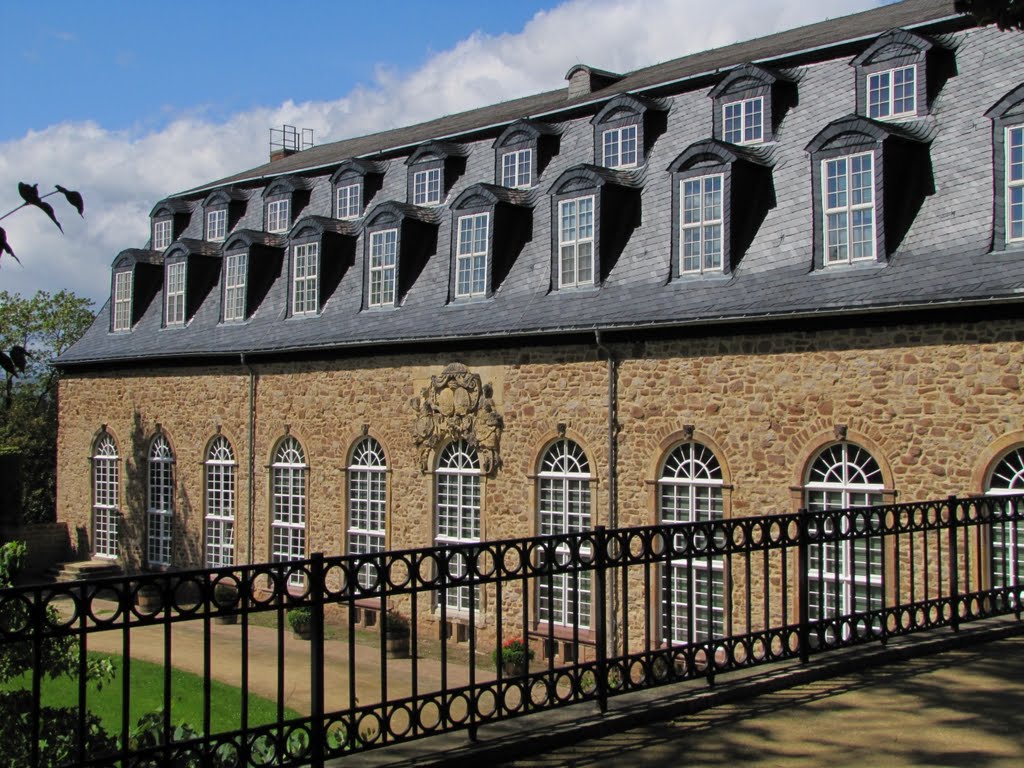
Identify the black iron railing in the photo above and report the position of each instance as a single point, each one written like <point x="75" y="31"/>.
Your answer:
<point x="596" y="614"/>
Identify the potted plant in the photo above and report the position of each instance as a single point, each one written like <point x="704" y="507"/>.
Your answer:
<point x="301" y="621"/>
<point x="149" y="598"/>
<point x="396" y="634"/>
<point x="512" y="657"/>
<point x="225" y="599"/>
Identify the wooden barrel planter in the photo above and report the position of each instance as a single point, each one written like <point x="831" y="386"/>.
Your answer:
<point x="396" y="644"/>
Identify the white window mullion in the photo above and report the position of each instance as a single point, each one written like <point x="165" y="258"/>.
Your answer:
<point x="305" y="278"/>
<point x="701" y="221"/>
<point x="576" y="242"/>
<point x="383" y="267"/>
<point x="1015" y="184"/>
<point x="122" y="301"/>
<point x="471" y="256"/>
<point x="848" y="208"/>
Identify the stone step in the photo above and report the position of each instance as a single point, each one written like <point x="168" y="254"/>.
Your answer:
<point x="84" y="569"/>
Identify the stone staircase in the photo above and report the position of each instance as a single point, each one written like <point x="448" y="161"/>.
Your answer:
<point x="84" y="569"/>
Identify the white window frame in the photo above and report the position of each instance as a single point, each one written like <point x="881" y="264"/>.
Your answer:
<point x="747" y="121"/>
<point x="305" y="278"/>
<point x="217" y="225"/>
<point x="564" y="507"/>
<point x="701" y="228"/>
<point x="457" y="513"/>
<point x="176" y="277"/>
<point x="383" y="276"/>
<point x="288" y="515"/>
<point x="221" y="495"/>
<point x="160" y="503"/>
<point x="1006" y="545"/>
<point x="426" y="187"/>
<point x="517" y="169"/>
<point x="691" y="490"/>
<point x="123" y="300"/>
<point x="349" y="201"/>
<point x="1014" y="186"/>
<point x="106" y="512"/>
<point x="279" y="213"/>
<point x="575" y="237"/>
<point x="163" y="233"/>
<point x="845" y="215"/>
<point x="236" y="267"/>
<point x="842" y="476"/>
<point x="619" y="147"/>
<point x="367" y="504"/>
<point x="471" y="255"/>
<point x="881" y="88"/>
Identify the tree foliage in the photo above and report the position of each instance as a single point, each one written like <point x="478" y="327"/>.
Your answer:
<point x="43" y="326"/>
<point x="31" y="198"/>
<point x="1006" y="14"/>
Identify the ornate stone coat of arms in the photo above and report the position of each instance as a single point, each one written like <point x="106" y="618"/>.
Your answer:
<point x="458" y="406"/>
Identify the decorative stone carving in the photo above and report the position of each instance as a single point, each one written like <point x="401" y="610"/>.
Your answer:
<point x="458" y="406"/>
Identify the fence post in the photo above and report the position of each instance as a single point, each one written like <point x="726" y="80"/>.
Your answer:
<point x="954" y="565"/>
<point x="803" y="585"/>
<point x="600" y="617"/>
<point x="317" y="588"/>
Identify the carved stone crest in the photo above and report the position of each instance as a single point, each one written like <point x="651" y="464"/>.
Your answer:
<point x="458" y="406"/>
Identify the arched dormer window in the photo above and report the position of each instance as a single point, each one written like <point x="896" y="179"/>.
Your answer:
<point x="136" y="277"/>
<point x="433" y="170"/>
<point x="721" y="194"/>
<point x="252" y="262"/>
<point x="869" y="180"/>
<point x="222" y="210"/>
<point x="319" y="251"/>
<point x="1007" y="118"/>
<point x="490" y="225"/>
<point x="749" y="104"/>
<point x="283" y="200"/>
<point x="169" y="219"/>
<point x="191" y="269"/>
<point x="594" y="211"/>
<point x="399" y="239"/>
<point x="522" y="152"/>
<point x="354" y="186"/>
<point x="899" y="75"/>
<point x="625" y="131"/>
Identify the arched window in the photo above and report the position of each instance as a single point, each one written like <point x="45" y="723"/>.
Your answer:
<point x="288" y="526"/>
<point x="690" y="490"/>
<point x="1007" y="477"/>
<point x="160" y="507"/>
<point x="220" y="504"/>
<point x="458" y="511"/>
<point x="564" y="508"/>
<point x="841" y="476"/>
<point x="367" y="502"/>
<point x="105" y="485"/>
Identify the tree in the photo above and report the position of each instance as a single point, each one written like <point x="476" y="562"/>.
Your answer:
<point x="1006" y="14"/>
<point x="44" y="326"/>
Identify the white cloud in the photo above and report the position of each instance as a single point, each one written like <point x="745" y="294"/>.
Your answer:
<point x="122" y="174"/>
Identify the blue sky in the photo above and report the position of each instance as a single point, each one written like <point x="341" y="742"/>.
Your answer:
<point x="131" y="102"/>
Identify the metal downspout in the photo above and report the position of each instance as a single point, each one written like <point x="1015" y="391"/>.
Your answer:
<point x="613" y="490"/>
<point x="250" y="539"/>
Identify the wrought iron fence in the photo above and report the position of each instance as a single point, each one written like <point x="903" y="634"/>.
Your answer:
<point x="503" y="629"/>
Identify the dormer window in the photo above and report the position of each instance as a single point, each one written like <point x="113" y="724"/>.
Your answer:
<point x="433" y="170"/>
<point x="355" y="183"/>
<point x="169" y="220"/>
<point x="122" y="301"/>
<point x="399" y="241"/>
<point x="522" y="152"/>
<point x="162" y="234"/>
<point x="223" y="209"/>
<point x="749" y="103"/>
<point x="1008" y="155"/>
<point x="252" y="264"/>
<point x="701" y="221"/>
<point x="852" y="161"/>
<point x="236" y="269"/>
<point x="279" y="215"/>
<point x="471" y="258"/>
<point x="383" y="268"/>
<point x="320" y="251"/>
<point x="625" y="131"/>
<point x="576" y="242"/>
<point x="349" y="201"/>
<point x="899" y="75"/>
<point x="175" y="294"/>
<point x="305" y="278"/>
<point x="217" y="225"/>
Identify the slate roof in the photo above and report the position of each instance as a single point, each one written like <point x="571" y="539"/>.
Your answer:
<point x="943" y="260"/>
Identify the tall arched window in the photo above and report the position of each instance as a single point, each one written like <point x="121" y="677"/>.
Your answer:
<point x="458" y="511"/>
<point x="367" y="502"/>
<point x="288" y="526"/>
<point x="160" y="508"/>
<point x="105" y="495"/>
<point x="1007" y="477"/>
<point x="220" y="504"/>
<point x="564" y="508"/>
<point x="690" y="490"/>
<point x="842" y="476"/>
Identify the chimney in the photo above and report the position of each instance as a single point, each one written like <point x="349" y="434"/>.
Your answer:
<point x="288" y="140"/>
<point x="584" y="80"/>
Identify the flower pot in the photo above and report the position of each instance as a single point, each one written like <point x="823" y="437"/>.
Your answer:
<point x="513" y="668"/>
<point x="396" y="645"/>
<point x="303" y="632"/>
<point x="226" y="618"/>
<point x="149" y="600"/>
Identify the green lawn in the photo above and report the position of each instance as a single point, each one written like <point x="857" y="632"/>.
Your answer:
<point x="147" y="685"/>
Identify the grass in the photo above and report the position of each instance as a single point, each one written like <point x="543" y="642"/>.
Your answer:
<point x="147" y="685"/>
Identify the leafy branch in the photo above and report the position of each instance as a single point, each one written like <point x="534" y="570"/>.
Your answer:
<point x="1007" y="14"/>
<point x="31" y="197"/>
